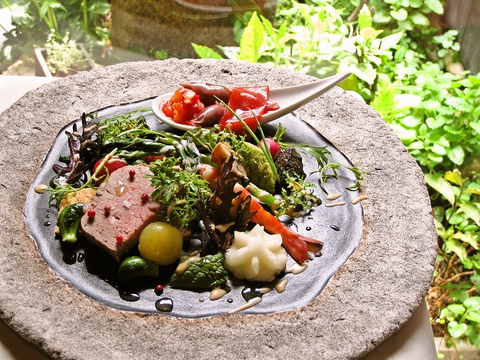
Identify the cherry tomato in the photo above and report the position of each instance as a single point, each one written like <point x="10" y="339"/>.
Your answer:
<point x="249" y="104"/>
<point x="114" y="163"/>
<point x="183" y="106"/>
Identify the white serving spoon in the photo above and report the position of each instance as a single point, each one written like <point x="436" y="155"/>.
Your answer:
<point x="289" y="98"/>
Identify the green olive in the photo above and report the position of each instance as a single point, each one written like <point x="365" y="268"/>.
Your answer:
<point x="161" y="243"/>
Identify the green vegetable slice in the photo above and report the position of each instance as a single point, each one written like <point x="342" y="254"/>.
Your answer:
<point x="69" y="222"/>
<point x="203" y="273"/>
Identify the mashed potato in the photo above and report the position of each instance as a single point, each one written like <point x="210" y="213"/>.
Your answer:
<point x="256" y="255"/>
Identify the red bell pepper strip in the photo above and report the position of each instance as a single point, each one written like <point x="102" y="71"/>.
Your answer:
<point x="249" y="103"/>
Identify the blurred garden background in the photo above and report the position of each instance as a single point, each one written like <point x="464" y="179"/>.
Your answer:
<point x="415" y="61"/>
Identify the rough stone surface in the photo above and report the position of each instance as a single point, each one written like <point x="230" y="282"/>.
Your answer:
<point x="370" y="297"/>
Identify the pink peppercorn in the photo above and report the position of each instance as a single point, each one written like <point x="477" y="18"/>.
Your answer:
<point x="159" y="289"/>
<point x="144" y="197"/>
<point x="132" y="173"/>
<point x="119" y="239"/>
<point x="91" y="213"/>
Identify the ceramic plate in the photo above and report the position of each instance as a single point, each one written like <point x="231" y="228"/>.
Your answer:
<point x="340" y="228"/>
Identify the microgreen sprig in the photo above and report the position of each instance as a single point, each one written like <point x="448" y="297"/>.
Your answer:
<point x="63" y="189"/>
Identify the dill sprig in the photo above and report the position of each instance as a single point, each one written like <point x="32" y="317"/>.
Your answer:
<point x="321" y="153"/>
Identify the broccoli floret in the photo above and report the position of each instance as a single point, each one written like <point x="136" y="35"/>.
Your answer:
<point x="257" y="166"/>
<point x="69" y="222"/>
<point x="202" y="273"/>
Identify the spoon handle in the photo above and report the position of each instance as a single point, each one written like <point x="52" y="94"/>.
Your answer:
<point x="292" y="97"/>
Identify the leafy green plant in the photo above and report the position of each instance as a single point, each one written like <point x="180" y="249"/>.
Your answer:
<point x="85" y="21"/>
<point x="315" y="40"/>
<point x="463" y="319"/>
<point x="457" y="270"/>
<point x="405" y="14"/>
<point x="65" y="57"/>
<point x="400" y="67"/>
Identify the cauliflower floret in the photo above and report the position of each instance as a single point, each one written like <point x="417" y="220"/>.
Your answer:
<point x="256" y="255"/>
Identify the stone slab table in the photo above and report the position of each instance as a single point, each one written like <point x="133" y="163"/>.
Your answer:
<point x="367" y="300"/>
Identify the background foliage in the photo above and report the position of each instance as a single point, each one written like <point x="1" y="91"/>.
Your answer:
<point x="401" y="66"/>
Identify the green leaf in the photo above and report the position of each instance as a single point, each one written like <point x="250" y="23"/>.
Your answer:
<point x="204" y="52"/>
<point x="475" y="279"/>
<point x="456" y="155"/>
<point x="456" y="246"/>
<point x="435" y="5"/>
<point x="466" y="238"/>
<point x="399" y="15"/>
<point x="440" y="150"/>
<point x="406" y="135"/>
<point x="364" y="17"/>
<point x="456" y="309"/>
<point x="408" y="100"/>
<point x="473" y="302"/>
<point x="411" y="121"/>
<point x="365" y="72"/>
<point x="434" y="122"/>
<point x="455" y="329"/>
<point x="473" y="316"/>
<point x="419" y="19"/>
<point x="431" y="105"/>
<point x="252" y="40"/>
<point x="454" y="177"/>
<point x="475" y="126"/>
<point x="415" y="3"/>
<point x="453" y="129"/>
<point x="458" y="103"/>
<point x="472" y="212"/>
<point x="416" y="145"/>
<point x="442" y="186"/>
<point x="390" y="41"/>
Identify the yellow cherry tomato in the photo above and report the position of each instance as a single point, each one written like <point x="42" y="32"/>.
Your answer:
<point x="161" y="243"/>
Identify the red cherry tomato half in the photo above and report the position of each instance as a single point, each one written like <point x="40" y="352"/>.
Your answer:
<point x="249" y="104"/>
<point x="114" y="163"/>
<point x="183" y="106"/>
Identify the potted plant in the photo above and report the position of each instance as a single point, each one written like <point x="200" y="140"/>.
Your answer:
<point x="62" y="57"/>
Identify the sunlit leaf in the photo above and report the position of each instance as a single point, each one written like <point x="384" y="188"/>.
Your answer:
<point x="472" y="212"/>
<point x="419" y="19"/>
<point x="466" y="238"/>
<point x="437" y="182"/>
<point x="408" y="100"/>
<point x="456" y="246"/>
<point x="457" y="309"/>
<point x="252" y="40"/>
<point x="456" y="155"/>
<point x="455" y="329"/>
<point x="454" y="177"/>
<point x="435" y="122"/>
<point x="391" y="40"/>
<point x="399" y="15"/>
<point x="473" y="316"/>
<point x="458" y="103"/>
<point x="438" y="149"/>
<point x="204" y="52"/>
<point x="435" y="5"/>
<point x="475" y="126"/>
<point x="364" y="17"/>
<point x="473" y="302"/>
